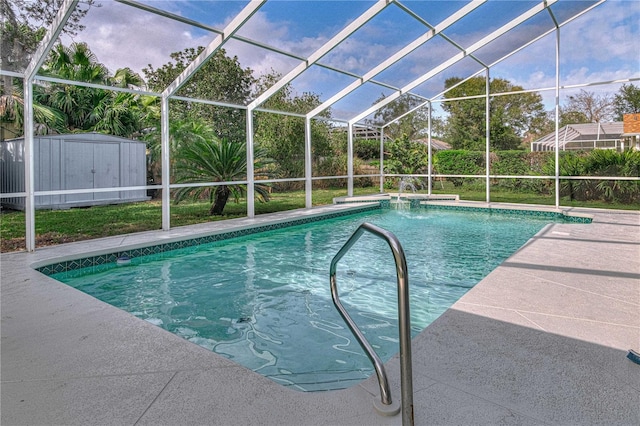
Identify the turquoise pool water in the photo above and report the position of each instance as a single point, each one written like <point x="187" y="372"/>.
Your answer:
<point x="264" y="300"/>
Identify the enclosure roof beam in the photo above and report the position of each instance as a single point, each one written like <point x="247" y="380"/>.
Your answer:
<point x="249" y="41"/>
<point x="323" y="50"/>
<point x="508" y="55"/>
<point x="441" y="34"/>
<point x="205" y="27"/>
<point x="233" y="26"/>
<point x="66" y="9"/>
<point x="94" y="85"/>
<point x="474" y="47"/>
<point x="397" y="56"/>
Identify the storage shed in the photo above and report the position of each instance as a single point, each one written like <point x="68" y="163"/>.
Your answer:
<point x="75" y="161"/>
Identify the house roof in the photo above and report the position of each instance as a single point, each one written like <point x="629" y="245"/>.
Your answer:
<point x="436" y="144"/>
<point x="583" y="132"/>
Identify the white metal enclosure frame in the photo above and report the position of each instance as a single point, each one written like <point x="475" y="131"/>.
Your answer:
<point x="230" y="32"/>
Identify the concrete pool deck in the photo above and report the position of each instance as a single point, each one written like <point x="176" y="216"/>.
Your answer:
<point x="541" y="340"/>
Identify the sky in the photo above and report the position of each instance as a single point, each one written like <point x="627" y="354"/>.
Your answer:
<point x="599" y="46"/>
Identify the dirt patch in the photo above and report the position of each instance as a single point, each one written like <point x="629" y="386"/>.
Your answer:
<point x="48" y="239"/>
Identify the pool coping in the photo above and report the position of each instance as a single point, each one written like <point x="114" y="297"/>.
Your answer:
<point x="68" y="358"/>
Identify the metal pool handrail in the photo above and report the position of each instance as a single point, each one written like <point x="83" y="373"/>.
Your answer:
<point x="404" y="323"/>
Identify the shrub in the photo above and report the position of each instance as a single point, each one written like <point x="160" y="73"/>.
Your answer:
<point x="367" y="149"/>
<point x="599" y="162"/>
<point x="516" y="163"/>
<point x="459" y="162"/>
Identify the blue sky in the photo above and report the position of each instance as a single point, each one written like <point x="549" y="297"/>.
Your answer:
<point x="600" y="46"/>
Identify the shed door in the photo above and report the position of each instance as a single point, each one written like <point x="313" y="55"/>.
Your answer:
<point x="78" y="166"/>
<point x="91" y="165"/>
<point x="106" y="166"/>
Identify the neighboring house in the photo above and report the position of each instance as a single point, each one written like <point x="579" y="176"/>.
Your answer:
<point x="436" y="144"/>
<point x="631" y="127"/>
<point x="586" y="136"/>
<point x="369" y="133"/>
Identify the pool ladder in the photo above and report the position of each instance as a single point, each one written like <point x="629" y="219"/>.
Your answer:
<point x="385" y="406"/>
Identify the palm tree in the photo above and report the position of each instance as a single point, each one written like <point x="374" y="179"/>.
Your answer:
<point x="46" y="119"/>
<point x="216" y="160"/>
<point x="88" y="108"/>
<point x="62" y="108"/>
<point x="127" y="78"/>
<point x="76" y="62"/>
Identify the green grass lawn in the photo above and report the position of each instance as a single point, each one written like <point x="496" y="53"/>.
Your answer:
<point x="61" y="226"/>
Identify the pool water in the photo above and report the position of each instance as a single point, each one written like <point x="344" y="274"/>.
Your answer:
<point x="264" y="300"/>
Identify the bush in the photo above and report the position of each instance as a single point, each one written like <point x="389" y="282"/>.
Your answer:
<point x="599" y="162"/>
<point x="459" y="162"/>
<point x="405" y="157"/>
<point x="516" y="163"/>
<point x="366" y="149"/>
<point x="602" y="162"/>
<point x="337" y="166"/>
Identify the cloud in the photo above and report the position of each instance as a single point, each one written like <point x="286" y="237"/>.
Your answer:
<point x="599" y="46"/>
<point x="608" y="33"/>
<point x="263" y="61"/>
<point x="123" y="36"/>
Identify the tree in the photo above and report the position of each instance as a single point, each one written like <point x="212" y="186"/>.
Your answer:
<point x="595" y="108"/>
<point x="46" y="119"/>
<point x="221" y="78"/>
<point x="24" y="24"/>
<point x="413" y="125"/>
<point x="216" y="160"/>
<point x="89" y="108"/>
<point x="282" y="136"/>
<point x="181" y="133"/>
<point x="58" y="107"/>
<point x="403" y="156"/>
<point x="513" y="116"/>
<point x="22" y="27"/>
<point x="127" y="78"/>
<point x="626" y="101"/>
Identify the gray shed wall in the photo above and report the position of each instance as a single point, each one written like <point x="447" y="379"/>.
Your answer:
<point x="75" y="161"/>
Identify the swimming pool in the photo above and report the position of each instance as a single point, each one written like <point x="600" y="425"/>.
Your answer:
<point x="264" y="301"/>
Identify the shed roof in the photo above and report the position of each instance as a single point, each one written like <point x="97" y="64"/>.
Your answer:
<point x="84" y="137"/>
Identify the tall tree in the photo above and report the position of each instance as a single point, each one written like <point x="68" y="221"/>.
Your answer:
<point x="414" y="125"/>
<point x="282" y="136"/>
<point x="626" y="101"/>
<point x="221" y="78"/>
<point x="24" y="23"/>
<point x="22" y="27"/>
<point x="89" y="108"/>
<point x="513" y="116"/>
<point x="595" y="108"/>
